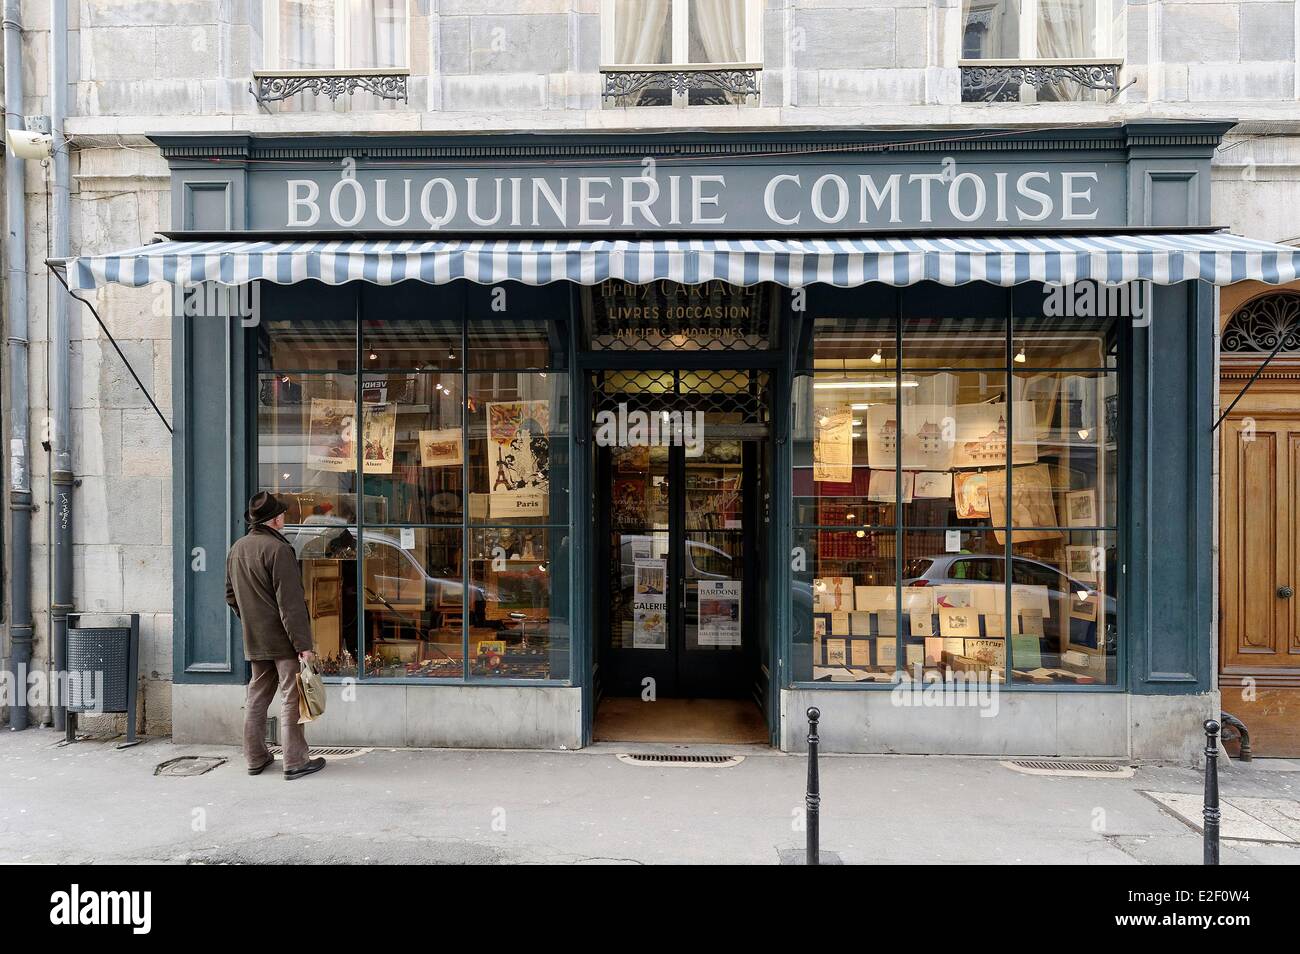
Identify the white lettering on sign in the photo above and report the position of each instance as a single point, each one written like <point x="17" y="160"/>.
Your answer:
<point x="805" y="199"/>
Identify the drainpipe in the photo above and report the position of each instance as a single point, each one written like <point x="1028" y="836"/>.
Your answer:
<point x="20" y="482"/>
<point x="61" y="480"/>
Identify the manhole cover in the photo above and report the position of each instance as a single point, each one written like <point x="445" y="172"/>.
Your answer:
<point x="333" y="753"/>
<point x="1063" y="769"/>
<point x="188" y="765"/>
<point x="708" y="761"/>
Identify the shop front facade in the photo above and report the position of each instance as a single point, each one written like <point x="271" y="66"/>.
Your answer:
<point x="557" y="426"/>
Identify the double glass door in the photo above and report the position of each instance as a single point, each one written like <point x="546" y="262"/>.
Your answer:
<point x="682" y="531"/>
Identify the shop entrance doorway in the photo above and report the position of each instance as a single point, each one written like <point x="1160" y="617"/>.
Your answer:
<point x="681" y="479"/>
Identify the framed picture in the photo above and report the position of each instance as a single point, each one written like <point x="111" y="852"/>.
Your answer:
<point x="442" y="448"/>
<point x="1081" y="508"/>
<point x="1081" y="562"/>
<point x="958" y="623"/>
<point x="451" y="595"/>
<point x="325" y="597"/>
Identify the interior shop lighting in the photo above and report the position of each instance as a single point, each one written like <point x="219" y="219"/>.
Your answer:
<point x="861" y="385"/>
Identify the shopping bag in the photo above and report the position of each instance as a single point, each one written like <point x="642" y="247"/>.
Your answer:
<point x="311" y="694"/>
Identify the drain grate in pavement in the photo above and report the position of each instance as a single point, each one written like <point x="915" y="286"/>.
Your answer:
<point x="188" y="765"/>
<point x="1063" y="769"/>
<point x="660" y="759"/>
<point x="334" y="753"/>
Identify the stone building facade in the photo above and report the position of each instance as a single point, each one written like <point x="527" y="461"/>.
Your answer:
<point x="146" y="67"/>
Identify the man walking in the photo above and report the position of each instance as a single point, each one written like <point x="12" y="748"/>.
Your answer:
<point x="264" y="588"/>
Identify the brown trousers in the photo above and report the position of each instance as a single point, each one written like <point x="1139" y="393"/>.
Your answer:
<point x="267" y="673"/>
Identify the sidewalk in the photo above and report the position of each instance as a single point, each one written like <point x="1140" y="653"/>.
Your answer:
<point x="93" y="803"/>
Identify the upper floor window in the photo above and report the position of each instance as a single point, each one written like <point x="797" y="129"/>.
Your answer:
<point x="1039" y="50"/>
<point x="304" y="35"/>
<point x="318" y="51"/>
<point x="681" y="52"/>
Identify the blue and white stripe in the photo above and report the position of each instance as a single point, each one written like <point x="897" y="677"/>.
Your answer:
<point x="1165" y="259"/>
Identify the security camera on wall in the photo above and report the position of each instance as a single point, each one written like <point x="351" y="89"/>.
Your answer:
<point x="30" y="145"/>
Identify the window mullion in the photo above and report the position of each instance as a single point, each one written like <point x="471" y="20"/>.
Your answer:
<point x="342" y="59"/>
<point x="681" y="36"/>
<point x="1029" y="29"/>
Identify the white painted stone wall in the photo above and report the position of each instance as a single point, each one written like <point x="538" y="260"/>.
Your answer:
<point x="147" y="66"/>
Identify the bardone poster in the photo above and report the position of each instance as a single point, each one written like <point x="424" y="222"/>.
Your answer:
<point x="833" y="447"/>
<point x="650" y="604"/>
<point x="519" y="442"/>
<point x="719" y="613"/>
<point x="331" y="433"/>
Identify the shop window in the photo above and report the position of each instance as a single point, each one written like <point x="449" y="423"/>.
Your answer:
<point x="681" y="52"/>
<point x="454" y="563"/>
<point x="1041" y="50"/>
<point x="316" y="51"/>
<point x="990" y="442"/>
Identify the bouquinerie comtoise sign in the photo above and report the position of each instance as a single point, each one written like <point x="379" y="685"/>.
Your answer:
<point x="727" y="196"/>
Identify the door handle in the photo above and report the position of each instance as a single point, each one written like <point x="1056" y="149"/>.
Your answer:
<point x="1285" y="592"/>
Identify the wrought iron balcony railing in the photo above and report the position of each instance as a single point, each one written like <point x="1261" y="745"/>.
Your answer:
<point x="271" y="86"/>
<point x="679" y="84"/>
<point x="1011" y="81"/>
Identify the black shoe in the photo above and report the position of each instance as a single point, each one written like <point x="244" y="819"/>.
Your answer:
<point x="313" y="765"/>
<point x="265" y="765"/>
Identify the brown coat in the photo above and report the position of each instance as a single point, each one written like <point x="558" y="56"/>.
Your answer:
<point x="264" y="588"/>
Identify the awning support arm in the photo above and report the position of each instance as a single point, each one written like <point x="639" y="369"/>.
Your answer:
<point x="140" y="384"/>
<point x="1253" y="378"/>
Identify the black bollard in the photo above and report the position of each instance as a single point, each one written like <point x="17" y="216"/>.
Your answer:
<point x="814" y="801"/>
<point x="1211" y="792"/>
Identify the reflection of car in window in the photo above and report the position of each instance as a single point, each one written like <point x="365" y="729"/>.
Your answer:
<point x="957" y="568"/>
<point x="704" y="561"/>
<point x="338" y="542"/>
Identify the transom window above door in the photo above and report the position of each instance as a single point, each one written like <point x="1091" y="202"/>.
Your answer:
<point x="1041" y="50"/>
<point x="334" y="47"/>
<point x="681" y="52"/>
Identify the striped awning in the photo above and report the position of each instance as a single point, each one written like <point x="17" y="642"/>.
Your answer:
<point x="1164" y="258"/>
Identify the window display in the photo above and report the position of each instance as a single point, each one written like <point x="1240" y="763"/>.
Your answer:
<point x="990" y="444"/>
<point x="400" y="586"/>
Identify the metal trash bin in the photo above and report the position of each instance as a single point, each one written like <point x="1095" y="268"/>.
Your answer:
<point x="102" y="671"/>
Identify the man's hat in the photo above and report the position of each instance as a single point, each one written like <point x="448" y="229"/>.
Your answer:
<point x="263" y="507"/>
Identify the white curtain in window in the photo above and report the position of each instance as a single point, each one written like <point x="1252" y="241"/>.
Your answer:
<point x="642" y="31"/>
<point x="377" y="33"/>
<point x="717" y="31"/>
<point x="306" y="34"/>
<point x="1065" y="29"/>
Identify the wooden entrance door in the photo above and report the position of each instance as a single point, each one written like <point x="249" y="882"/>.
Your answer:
<point x="1259" y="639"/>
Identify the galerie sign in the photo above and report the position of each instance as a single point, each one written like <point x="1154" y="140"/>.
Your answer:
<point x="820" y="196"/>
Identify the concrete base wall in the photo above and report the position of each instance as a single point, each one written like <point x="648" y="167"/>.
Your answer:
<point x="488" y="717"/>
<point x="1076" y="724"/>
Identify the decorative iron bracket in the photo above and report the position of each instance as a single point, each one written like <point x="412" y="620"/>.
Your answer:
<point x="1000" y="83"/>
<point x="739" y="81"/>
<point x="274" y="87"/>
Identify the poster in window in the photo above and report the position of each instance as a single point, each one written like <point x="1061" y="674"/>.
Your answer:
<point x="982" y="431"/>
<point x="379" y="432"/>
<point x="630" y="506"/>
<point x="970" y="494"/>
<point x="331" y="432"/>
<point x="833" y="594"/>
<point x="882" y="436"/>
<point x="929" y="437"/>
<point x="1081" y="508"/>
<point x="443" y="448"/>
<point x="1032" y="503"/>
<point x="519" y="467"/>
<point x="650" y="604"/>
<point x="833" y="445"/>
<point x="719" y="613"/>
<point x="932" y="485"/>
<point x="881" y="488"/>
